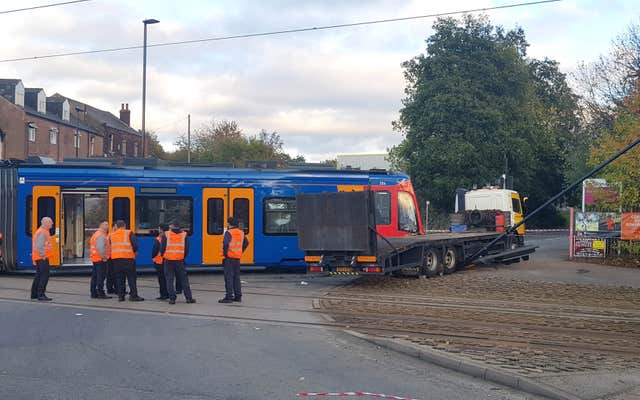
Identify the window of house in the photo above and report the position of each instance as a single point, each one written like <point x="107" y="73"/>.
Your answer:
<point x="32" y="133"/>
<point x="151" y="212"/>
<point x="92" y="146"/>
<point x="111" y="140"/>
<point x="280" y="216"/>
<point x="407" y="216"/>
<point x="382" y="200"/>
<point x="76" y="142"/>
<point x="135" y="149"/>
<point x="53" y="136"/>
<point x="124" y="147"/>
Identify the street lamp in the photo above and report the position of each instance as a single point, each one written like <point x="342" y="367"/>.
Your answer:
<point x="144" y="82"/>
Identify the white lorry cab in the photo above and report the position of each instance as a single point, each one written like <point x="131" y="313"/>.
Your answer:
<point x="494" y="198"/>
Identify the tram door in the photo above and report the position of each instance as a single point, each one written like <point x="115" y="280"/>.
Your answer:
<point x="46" y="203"/>
<point x="122" y="205"/>
<point x="81" y="214"/>
<point x="218" y="204"/>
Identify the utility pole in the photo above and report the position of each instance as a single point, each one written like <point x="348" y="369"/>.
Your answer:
<point x="188" y="138"/>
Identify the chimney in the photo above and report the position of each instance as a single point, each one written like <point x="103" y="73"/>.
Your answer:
<point x="125" y="114"/>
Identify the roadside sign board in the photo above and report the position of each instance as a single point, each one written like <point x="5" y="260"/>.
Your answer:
<point x="631" y="226"/>
<point x="586" y="246"/>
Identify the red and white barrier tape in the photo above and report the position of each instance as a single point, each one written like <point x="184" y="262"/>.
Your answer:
<point x="344" y="394"/>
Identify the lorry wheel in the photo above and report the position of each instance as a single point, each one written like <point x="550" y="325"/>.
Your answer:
<point x="450" y="261"/>
<point x="431" y="264"/>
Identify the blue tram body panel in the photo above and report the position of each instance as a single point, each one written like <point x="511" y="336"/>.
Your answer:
<point x="270" y="250"/>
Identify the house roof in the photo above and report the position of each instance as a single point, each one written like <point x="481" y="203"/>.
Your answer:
<point x="33" y="90"/>
<point x="96" y="116"/>
<point x="54" y="118"/>
<point x="10" y="81"/>
<point x="53" y="99"/>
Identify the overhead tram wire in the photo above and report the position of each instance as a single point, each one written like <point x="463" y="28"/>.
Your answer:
<point x="64" y="3"/>
<point x="282" y="32"/>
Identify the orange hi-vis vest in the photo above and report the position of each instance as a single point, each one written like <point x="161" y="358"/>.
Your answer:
<point x="235" y="244"/>
<point x="158" y="258"/>
<point x="48" y="248"/>
<point x="175" y="245"/>
<point x="121" y="245"/>
<point x="94" y="255"/>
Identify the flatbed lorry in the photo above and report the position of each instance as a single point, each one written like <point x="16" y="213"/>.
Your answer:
<point x="337" y="233"/>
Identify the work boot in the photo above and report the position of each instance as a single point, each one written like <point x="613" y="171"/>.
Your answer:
<point x="135" y="298"/>
<point x="172" y="301"/>
<point x="238" y="299"/>
<point x="226" y="300"/>
<point x="191" y="301"/>
<point x="120" y="298"/>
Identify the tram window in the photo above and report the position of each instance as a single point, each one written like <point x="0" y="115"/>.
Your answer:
<point x="383" y="207"/>
<point x="47" y="208"/>
<point x="215" y="213"/>
<point x="280" y="216"/>
<point x="407" y="219"/>
<point x="152" y="212"/>
<point x="241" y="212"/>
<point x="121" y="210"/>
<point x="28" y="217"/>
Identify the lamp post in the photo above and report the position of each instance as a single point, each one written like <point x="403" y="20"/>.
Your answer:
<point x="144" y="82"/>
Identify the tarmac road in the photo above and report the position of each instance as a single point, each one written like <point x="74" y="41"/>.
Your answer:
<point x="49" y="351"/>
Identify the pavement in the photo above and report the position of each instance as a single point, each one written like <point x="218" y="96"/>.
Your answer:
<point x="272" y="346"/>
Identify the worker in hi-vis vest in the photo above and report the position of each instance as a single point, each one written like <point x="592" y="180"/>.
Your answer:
<point x="174" y="249"/>
<point x="233" y="245"/>
<point x="41" y="255"/>
<point x="99" y="255"/>
<point x="158" y="264"/>
<point x="124" y="246"/>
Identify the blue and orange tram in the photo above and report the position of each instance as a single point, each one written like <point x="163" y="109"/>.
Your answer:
<point x="78" y="195"/>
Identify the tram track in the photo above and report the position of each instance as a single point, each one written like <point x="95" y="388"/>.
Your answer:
<point x="489" y="333"/>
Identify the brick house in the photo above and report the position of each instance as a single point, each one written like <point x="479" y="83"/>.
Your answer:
<point x="120" y="139"/>
<point x="32" y="124"/>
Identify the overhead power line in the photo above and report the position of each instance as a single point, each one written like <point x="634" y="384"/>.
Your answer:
<point x="281" y="32"/>
<point x="64" y="3"/>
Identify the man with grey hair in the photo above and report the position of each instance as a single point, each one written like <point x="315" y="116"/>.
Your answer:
<point x="41" y="255"/>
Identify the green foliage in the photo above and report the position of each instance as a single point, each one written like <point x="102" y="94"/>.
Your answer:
<point x="475" y="106"/>
<point x="626" y="169"/>
<point x="224" y="142"/>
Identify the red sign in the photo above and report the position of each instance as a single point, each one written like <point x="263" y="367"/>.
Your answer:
<point x="631" y="226"/>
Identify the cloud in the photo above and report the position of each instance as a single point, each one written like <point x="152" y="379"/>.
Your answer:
<point x="325" y="92"/>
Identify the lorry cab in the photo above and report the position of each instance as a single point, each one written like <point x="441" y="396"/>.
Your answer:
<point x="496" y="199"/>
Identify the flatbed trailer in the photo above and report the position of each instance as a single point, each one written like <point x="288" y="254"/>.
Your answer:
<point x="348" y="243"/>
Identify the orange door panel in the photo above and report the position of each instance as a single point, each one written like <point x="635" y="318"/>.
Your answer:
<point x="214" y="212"/>
<point x="241" y="207"/>
<point x="46" y="203"/>
<point x="122" y="205"/>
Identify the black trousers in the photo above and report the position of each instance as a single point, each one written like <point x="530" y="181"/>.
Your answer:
<point x="98" y="273"/>
<point x="162" y="281"/>
<point x="125" y="268"/>
<point x="40" y="280"/>
<point x="175" y="270"/>
<point x="232" y="284"/>
<point x="111" y="278"/>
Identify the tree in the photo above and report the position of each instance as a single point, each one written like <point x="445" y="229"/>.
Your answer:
<point x="476" y="108"/>
<point x="626" y="169"/>
<point x="224" y="142"/>
<point x="154" y="148"/>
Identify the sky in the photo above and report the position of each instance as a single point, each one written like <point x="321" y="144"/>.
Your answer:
<point x="325" y="92"/>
